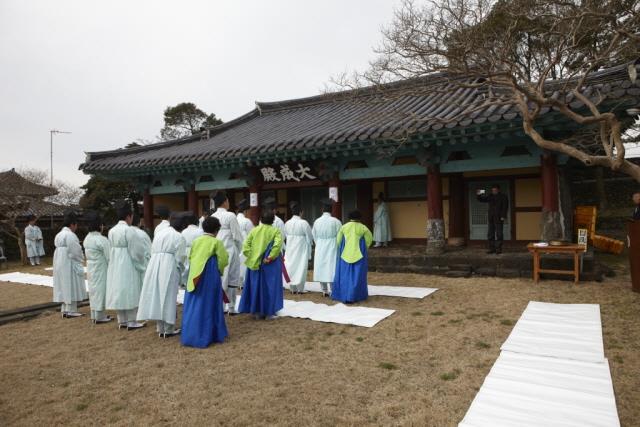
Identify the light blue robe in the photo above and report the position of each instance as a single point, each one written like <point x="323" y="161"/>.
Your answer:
<point x="128" y="254"/>
<point x="163" y="276"/>
<point x="68" y="268"/>
<point x="33" y="241"/>
<point x="97" y="250"/>
<point x="191" y="233"/>
<point x="299" y="241"/>
<point x="381" y="224"/>
<point x="325" y="231"/>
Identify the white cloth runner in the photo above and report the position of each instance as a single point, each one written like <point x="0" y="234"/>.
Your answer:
<point x="386" y="291"/>
<point x="526" y="391"/>
<point x="338" y="313"/>
<point x="567" y="331"/>
<point x="31" y="279"/>
<point x="51" y="269"/>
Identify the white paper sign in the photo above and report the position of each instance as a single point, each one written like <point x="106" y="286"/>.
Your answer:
<point x="253" y="200"/>
<point x="333" y="194"/>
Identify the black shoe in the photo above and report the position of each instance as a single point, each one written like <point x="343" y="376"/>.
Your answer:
<point x="498" y="251"/>
<point x="491" y="251"/>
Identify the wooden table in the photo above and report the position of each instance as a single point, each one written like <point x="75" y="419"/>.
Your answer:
<point x="574" y="249"/>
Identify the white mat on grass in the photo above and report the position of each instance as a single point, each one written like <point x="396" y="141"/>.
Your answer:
<point x="567" y="331"/>
<point x="526" y="391"/>
<point x="51" y="269"/>
<point x="30" y="279"/>
<point x="337" y="313"/>
<point x="386" y="291"/>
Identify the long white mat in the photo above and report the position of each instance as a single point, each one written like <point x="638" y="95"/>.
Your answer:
<point x="338" y="313"/>
<point x="51" y="269"/>
<point x="386" y="291"/>
<point x="526" y="391"/>
<point x="568" y="331"/>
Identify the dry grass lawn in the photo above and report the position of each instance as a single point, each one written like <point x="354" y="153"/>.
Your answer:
<point x="421" y="366"/>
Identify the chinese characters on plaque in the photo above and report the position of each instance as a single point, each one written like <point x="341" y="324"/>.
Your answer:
<point x="285" y="173"/>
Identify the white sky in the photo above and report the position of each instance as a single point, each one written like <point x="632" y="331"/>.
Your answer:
<point x="106" y="70"/>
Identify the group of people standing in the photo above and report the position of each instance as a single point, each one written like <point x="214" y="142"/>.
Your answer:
<point x="213" y="258"/>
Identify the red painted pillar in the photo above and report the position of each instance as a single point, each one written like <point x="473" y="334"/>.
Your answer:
<point x="456" y="210"/>
<point x="551" y="227"/>
<point x="147" y="203"/>
<point x="192" y="200"/>
<point x="334" y="187"/>
<point x="435" y="222"/>
<point x="549" y="177"/>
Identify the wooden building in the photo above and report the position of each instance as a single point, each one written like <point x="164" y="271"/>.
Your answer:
<point x="421" y="142"/>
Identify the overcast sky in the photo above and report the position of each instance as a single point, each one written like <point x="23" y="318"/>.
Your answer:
<point x="106" y="70"/>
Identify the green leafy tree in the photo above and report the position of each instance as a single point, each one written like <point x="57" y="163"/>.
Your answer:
<point x="185" y="119"/>
<point x="101" y="193"/>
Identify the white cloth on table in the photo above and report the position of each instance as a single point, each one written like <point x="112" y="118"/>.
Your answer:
<point x="299" y="241"/>
<point x="325" y="231"/>
<point x="127" y="260"/>
<point x="97" y="250"/>
<point x="68" y="269"/>
<point x="162" y="278"/>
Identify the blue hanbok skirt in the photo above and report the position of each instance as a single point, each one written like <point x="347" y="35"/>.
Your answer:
<point x="262" y="293"/>
<point x="350" y="281"/>
<point x="203" y="314"/>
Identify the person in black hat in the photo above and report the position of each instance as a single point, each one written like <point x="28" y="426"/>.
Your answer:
<point x="325" y="232"/>
<point x="164" y="214"/>
<point x="97" y="250"/>
<point x="299" y="242"/>
<point x="33" y="240"/>
<point x="246" y="226"/>
<point x="230" y="235"/>
<point x="498" y="210"/>
<point x="270" y="205"/>
<point x="636" y="202"/>
<point x="68" y="268"/>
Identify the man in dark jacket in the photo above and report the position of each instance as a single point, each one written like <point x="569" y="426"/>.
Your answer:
<point x="498" y="209"/>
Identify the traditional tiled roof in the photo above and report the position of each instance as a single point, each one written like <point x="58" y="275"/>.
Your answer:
<point x="13" y="184"/>
<point x="424" y="106"/>
<point x="43" y="208"/>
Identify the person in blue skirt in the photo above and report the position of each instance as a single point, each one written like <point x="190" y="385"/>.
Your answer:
<point x="203" y="314"/>
<point x="262" y="295"/>
<point x="350" y="281"/>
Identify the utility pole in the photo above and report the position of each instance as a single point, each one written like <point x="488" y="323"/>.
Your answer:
<point x="52" y="131"/>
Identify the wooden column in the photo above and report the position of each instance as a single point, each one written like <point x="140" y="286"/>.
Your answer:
<point x="336" y="209"/>
<point x="192" y="200"/>
<point x="254" y="211"/>
<point x="147" y="202"/>
<point x="435" y="222"/>
<point x="456" y="210"/>
<point x="551" y="227"/>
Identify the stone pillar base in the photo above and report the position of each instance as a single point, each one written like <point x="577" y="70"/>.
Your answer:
<point x="435" y="236"/>
<point x="551" y="226"/>
<point x="455" y="241"/>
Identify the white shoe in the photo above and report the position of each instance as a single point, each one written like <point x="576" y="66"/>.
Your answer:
<point x="135" y="325"/>
<point x="169" y="334"/>
<point x="71" y="314"/>
<point x="106" y="319"/>
<point x="377" y="245"/>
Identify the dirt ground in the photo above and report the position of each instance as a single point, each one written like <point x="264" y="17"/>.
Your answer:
<point x="421" y="366"/>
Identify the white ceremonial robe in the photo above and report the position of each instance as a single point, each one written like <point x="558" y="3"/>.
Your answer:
<point x="146" y="244"/>
<point x="127" y="256"/>
<point x="162" y="278"/>
<point x="381" y="224"/>
<point x="191" y="233"/>
<point x="201" y="220"/>
<point x="68" y="268"/>
<point x="163" y="224"/>
<point x="325" y="232"/>
<point x="33" y="241"/>
<point x="230" y="236"/>
<point x="246" y="225"/>
<point x="97" y="250"/>
<point x="299" y="241"/>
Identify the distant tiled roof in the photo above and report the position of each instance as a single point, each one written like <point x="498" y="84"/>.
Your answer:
<point x="42" y="208"/>
<point x="13" y="184"/>
<point x="422" y="106"/>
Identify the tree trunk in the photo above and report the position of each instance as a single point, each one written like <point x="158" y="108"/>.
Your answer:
<point x="21" y="245"/>
<point x="600" y="189"/>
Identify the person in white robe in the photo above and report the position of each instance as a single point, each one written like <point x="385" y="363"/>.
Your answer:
<point x="163" y="277"/>
<point x="190" y="233"/>
<point x="230" y="236"/>
<point x="33" y="241"/>
<point x="246" y="226"/>
<point x="127" y="256"/>
<point x="381" y="224"/>
<point x="325" y="232"/>
<point x="270" y="205"/>
<point x="68" y="268"/>
<point x="97" y="250"/>
<point x="138" y="225"/>
<point x="299" y="242"/>
<point x="163" y="213"/>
